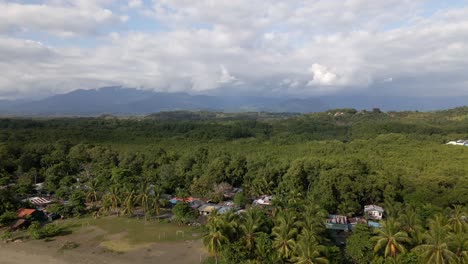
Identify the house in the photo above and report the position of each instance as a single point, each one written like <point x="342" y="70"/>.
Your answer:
<point x="263" y="200"/>
<point x="208" y="209"/>
<point x="176" y="200"/>
<point x="374" y="212"/>
<point x="230" y="193"/>
<point x="33" y="214"/>
<point x="225" y="209"/>
<point x="337" y="222"/>
<point x="39" y="201"/>
<point x="196" y="204"/>
<point x="461" y="142"/>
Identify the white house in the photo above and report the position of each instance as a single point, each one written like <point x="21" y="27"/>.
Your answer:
<point x="461" y="142"/>
<point x="374" y="211"/>
<point x="263" y="200"/>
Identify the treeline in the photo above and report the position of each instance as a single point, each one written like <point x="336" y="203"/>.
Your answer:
<point x="340" y="124"/>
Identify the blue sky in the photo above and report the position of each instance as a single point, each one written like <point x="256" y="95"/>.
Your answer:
<point x="293" y="48"/>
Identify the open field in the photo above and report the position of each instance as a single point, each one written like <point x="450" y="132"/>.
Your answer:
<point x="110" y="240"/>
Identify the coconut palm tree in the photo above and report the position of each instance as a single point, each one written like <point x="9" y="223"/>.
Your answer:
<point x="251" y="226"/>
<point x="411" y="224"/>
<point x="284" y="234"/>
<point x="458" y="244"/>
<point x="230" y="224"/>
<point x="215" y="239"/>
<point x="436" y="249"/>
<point x="391" y="238"/>
<point x="458" y="220"/>
<point x="309" y="252"/>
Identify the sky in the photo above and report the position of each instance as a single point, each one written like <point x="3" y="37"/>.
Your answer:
<point x="297" y="48"/>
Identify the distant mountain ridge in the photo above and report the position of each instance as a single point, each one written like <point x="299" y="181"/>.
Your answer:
<point x="130" y="101"/>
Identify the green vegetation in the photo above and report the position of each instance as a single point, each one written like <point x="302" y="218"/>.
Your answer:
<point x="314" y="164"/>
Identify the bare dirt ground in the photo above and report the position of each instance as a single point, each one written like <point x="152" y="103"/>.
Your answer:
<point x="92" y="250"/>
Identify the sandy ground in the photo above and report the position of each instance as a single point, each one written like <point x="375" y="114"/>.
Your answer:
<point x="90" y="251"/>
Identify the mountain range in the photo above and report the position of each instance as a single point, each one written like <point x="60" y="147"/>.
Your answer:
<point x="130" y="101"/>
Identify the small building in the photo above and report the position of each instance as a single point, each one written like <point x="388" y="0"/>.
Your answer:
<point x="461" y="142"/>
<point x="196" y="204"/>
<point x="208" y="209"/>
<point x="32" y="214"/>
<point x="225" y="209"/>
<point x="374" y="212"/>
<point x="39" y="201"/>
<point x="176" y="200"/>
<point x="263" y="200"/>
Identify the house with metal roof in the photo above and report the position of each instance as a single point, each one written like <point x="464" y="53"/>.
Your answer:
<point x="374" y="212"/>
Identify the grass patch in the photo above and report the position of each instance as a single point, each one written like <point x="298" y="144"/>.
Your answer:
<point x="139" y="231"/>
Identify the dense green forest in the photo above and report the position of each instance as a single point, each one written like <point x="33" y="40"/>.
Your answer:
<point x="314" y="164"/>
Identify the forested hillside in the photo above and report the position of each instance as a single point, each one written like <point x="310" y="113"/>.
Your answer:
<point x="314" y="164"/>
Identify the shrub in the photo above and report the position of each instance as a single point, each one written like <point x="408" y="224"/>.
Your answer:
<point x="36" y="232"/>
<point x="7" y="217"/>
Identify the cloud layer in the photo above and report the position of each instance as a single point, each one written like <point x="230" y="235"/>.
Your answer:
<point x="294" y="47"/>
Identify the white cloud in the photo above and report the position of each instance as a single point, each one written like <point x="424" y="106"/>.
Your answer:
<point x="295" y="47"/>
<point x="81" y="17"/>
<point x="135" y="3"/>
<point x="321" y="75"/>
<point x="226" y="77"/>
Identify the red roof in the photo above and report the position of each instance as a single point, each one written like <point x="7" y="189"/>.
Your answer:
<point x="24" y="212"/>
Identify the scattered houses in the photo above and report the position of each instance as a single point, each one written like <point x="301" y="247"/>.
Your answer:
<point x="344" y="223"/>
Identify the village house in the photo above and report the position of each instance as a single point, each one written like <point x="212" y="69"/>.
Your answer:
<point x="32" y="214"/>
<point x="374" y="212"/>
<point x="461" y="142"/>
<point x="39" y="202"/>
<point x="263" y="200"/>
<point x="208" y="209"/>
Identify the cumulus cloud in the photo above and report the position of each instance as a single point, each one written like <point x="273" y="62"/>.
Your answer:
<point x="246" y="46"/>
<point x="80" y="17"/>
<point x="321" y="75"/>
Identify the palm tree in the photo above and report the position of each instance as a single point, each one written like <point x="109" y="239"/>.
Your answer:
<point x="215" y="239"/>
<point x="129" y="202"/>
<point x="458" y="220"/>
<point x="143" y="199"/>
<point x="111" y="201"/>
<point x="229" y="223"/>
<point x="312" y="224"/>
<point x="284" y="234"/>
<point x="436" y="249"/>
<point x="251" y="225"/>
<point x="458" y="243"/>
<point x="411" y="224"/>
<point x="156" y="200"/>
<point x="309" y="252"/>
<point x="92" y="191"/>
<point x="390" y="238"/>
